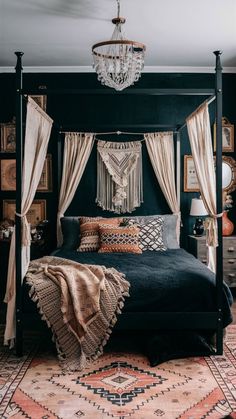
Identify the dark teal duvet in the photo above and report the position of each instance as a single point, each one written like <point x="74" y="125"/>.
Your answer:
<point x="171" y="280"/>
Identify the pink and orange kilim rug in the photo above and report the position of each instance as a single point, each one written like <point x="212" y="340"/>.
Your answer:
<point x="119" y="386"/>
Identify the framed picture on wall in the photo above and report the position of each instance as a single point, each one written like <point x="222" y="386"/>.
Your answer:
<point x="190" y="177"/>
<point x="8" y="175"/>
<point x="227" y="136"/>
<point x="41" y="100"/>
<point x="45" y="183"/>
<point x="36" y="213"/>
<point x="8" y="137"/>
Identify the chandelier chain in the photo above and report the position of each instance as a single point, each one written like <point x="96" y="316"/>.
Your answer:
<point x="118" y="8"/>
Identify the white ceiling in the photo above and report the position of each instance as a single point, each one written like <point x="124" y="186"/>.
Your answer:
<point x="57" y="35"/>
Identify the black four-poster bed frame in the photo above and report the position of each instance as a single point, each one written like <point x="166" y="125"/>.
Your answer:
<point x="133" y="321"/>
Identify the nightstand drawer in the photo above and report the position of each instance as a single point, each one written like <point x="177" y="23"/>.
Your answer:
<point x="229" y="248"/>
<point x="229" y="277"/>
<point x="229" y="270"/>
<point x="197" y="246"/>
<point x="229" y="264"/>
<point x="202" y="252"/>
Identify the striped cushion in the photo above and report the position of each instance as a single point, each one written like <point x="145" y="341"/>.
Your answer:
<point x="89" y="230"/>
<point x="119" y="239"/>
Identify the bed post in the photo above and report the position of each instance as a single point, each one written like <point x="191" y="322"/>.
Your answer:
<point x="19" y="159"/>
<point x="59" y="166"/>
<point x="219" y="250"/>
<point x="178" y="165"/>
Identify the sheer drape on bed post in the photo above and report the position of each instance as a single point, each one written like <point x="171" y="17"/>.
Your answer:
<point x="38" y="129"/>
<point x="199" y="132"/>
<point x="160" y="146"/>
<point x="77" y="149"/>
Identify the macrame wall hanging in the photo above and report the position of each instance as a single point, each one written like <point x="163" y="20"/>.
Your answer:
<point x="119" y="176"/>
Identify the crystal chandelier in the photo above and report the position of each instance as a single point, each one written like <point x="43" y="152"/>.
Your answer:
<point x="118" y="62"/>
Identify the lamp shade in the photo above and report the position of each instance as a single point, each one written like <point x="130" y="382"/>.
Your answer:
<point x="198" y="207"/>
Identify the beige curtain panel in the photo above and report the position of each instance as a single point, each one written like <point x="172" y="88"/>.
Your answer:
<point x="38" y="129"/>
<point x="78" y="147"/>
<point x="160" y="146"/>
<point x="199" y="131"/>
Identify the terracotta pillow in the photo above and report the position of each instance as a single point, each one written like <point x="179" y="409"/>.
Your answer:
<point x="119" y="239"/>
<point x="89" y="230"/>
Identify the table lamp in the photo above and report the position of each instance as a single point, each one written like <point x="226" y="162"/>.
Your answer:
<point x="198" y="210"/>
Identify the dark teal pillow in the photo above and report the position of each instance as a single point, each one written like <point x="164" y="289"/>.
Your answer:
<point x="70" y="227"/>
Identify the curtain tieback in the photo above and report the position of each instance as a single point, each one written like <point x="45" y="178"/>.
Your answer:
<point x="211" y="230"/>
<point x="216" y="215"/>
<point x="21" y="215"/>
<point x="26" y="236"/>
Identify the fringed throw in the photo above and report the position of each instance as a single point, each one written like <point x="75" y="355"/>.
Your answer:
<point x="80" y="304"/>
<point x="119" y="176"/>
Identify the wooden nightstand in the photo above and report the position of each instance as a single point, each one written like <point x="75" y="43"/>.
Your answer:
<point x="197" y="246"/>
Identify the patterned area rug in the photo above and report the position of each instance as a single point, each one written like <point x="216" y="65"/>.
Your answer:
<point x="119" y="386"/>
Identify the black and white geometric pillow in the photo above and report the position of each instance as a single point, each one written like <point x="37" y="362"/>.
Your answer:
<point x="150" y="234"/>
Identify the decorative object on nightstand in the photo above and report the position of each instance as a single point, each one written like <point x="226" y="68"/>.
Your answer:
<point x="198" y="210"/>
<point x="227" y="224"/>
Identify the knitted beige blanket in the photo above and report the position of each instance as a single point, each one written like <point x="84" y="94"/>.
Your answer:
<point x="80" y="304"/>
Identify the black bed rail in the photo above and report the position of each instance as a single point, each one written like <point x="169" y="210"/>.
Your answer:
<point x="169" y="320"/>
<point x="129" y="91"/>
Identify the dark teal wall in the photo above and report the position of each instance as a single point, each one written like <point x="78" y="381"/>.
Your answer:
<point x="73" y="112"/>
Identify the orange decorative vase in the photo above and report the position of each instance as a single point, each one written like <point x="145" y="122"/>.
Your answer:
<point x="227" y="225"/>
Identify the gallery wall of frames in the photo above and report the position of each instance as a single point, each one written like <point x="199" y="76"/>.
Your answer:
<point x="37" y="215"/>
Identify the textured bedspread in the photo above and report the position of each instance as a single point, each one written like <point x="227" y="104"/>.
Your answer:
<point x="161" y="281"/>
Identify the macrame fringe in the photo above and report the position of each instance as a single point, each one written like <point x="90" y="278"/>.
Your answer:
<point x="119" y="176"/>
<point x="61" y="355"/>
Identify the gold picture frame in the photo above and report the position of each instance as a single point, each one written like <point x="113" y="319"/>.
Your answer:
<point x="190" y="177"/>
<point x="8" y="175"/>
<point x="36" y="213"/>
<point x="8" y="137"/>
<point x="45" y="183"/>
<point x="41" y="100"/>
<point x="227" y="136"/>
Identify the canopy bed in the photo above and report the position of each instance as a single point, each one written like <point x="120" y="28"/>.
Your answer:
<point x="214" y="316"/>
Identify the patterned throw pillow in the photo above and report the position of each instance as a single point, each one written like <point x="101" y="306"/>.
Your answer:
<point x="89" y="230"/>
<point x="119" y="239"/>
<point x="151" y="233"/>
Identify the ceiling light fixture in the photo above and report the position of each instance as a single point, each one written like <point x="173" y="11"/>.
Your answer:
<point x="119" y="61"/>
